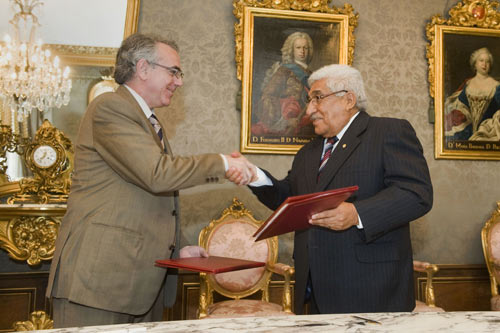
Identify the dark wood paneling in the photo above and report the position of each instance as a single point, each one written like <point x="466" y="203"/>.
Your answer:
<point x="457" y="288"/>
<point x="21" y="294"/>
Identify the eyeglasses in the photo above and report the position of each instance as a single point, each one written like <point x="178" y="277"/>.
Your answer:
<point x="175" y="71"/>
<point x="316" y="99"/>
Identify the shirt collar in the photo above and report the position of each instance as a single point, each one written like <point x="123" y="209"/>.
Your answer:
<point x="142" y="103"/>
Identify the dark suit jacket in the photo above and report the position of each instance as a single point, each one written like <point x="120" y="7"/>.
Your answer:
<point x="354" y="270"/>
<point x="122" y="210"/>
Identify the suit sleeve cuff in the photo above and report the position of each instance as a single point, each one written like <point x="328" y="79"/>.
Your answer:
<point x="224" y="159"/>
<point x="262" y="179"/>
<point x="359" y="225"/>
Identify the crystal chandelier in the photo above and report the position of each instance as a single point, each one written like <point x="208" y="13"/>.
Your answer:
<point x="29" y="78"/>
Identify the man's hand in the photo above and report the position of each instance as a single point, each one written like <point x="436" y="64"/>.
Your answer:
<point x="193" y="251"/>
<point x="340" y="218"/>
<point x="240" y="171"/>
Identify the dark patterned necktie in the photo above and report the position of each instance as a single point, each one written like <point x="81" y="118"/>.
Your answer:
<point x="156" y="125"/>
<point x="327" y="152"/>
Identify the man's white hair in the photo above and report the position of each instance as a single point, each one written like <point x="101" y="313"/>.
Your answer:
<point x="342" y="77"/>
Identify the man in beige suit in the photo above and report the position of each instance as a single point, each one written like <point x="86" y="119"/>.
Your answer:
<point x="123" y="210"/>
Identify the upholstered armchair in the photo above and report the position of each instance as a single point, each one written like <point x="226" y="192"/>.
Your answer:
<point x="430" y="303"/>
<point x="231" y="236"/>
<point x="490" y="237"/>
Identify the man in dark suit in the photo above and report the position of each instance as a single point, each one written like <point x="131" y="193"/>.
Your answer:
<point x="358" y="256"/>
<point x="123" y="211"/>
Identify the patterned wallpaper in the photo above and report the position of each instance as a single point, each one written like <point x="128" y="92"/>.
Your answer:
<point x="390" y="53"/>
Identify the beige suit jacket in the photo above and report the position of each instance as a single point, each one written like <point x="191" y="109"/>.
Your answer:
<point x="122" y="209"/>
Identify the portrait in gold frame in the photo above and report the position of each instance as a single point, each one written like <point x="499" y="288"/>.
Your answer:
<point x="466" y="93"/>
<point x="261" y="33"/>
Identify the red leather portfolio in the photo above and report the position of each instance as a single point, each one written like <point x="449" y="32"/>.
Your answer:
<point x="294" y="213"/>
<point x="212" y="264"/>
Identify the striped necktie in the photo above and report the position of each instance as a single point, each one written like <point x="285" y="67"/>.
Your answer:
<point x="156" y="125"/>
<point x="327" y="151"/>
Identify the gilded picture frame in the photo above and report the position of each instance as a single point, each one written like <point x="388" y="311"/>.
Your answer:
<point x="274" y="76"/>
<point x="82" y="55"/>
<point x="464" y="84"/>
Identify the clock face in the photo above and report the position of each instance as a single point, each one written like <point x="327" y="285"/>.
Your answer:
<point x="44" y="156"/>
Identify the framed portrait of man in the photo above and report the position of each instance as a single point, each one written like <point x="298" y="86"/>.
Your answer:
<point x="465" y="82"/>
<point x="276" y="51"/>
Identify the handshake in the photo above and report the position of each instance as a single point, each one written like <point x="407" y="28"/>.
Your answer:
<point x="240" y="171"/>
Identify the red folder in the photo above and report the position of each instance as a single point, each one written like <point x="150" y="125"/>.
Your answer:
<point x="294" y="213"/>
<point x="212" y="264"/>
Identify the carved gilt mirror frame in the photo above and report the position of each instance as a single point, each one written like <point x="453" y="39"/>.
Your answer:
<point x="466" y="96"/>
<point x="274" y="122"/>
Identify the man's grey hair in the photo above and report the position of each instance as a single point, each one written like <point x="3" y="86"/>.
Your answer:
<point x="476" y="54"/>
<point x="287" y="49"/>
<point x="133" y="48"/>
<point x="343" y="77"/>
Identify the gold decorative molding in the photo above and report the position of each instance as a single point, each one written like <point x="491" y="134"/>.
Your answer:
<point x="132" y="17"/>
<point x="314" y="6"/>
<point x="469" y="13"/>
<point x="39" y="321"/>
<point x="29" y="232"/>
<point x="81" y="55"/>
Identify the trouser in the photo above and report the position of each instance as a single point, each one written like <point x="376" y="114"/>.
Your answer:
<point x="69" y="314"/>
<point x="309" y="299"/>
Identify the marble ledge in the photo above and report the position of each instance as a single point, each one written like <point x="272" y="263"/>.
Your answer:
<point x="364" y="322"/>
<point x="36" y="206"/>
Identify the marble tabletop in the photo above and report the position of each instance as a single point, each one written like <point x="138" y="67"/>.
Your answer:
<point x="488" y="321"/>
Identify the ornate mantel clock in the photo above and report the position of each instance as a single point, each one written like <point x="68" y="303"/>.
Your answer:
<point x="50" y="159"/>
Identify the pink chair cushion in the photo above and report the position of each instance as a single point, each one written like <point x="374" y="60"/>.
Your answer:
<point x="422" y="307"/>
<point x="495" y="248"/>
<point x="234" y="239"/>
<point x="244" y="308"/>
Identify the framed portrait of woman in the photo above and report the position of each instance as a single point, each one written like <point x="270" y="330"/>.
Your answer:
<point x="277" y="47"/>
<point x="464" y="79"/>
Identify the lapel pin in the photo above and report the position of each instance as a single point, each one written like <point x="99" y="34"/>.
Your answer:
<point x="344" y="145"/>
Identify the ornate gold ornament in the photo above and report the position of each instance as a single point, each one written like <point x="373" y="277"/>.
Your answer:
<point x="314" y="6"/>
<point x="30" y="238"/>
<point x="50" y="158"/>
<point x="469" y="13"/>
<point x="39" y="321"/>
<point x="29" y="232"/>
